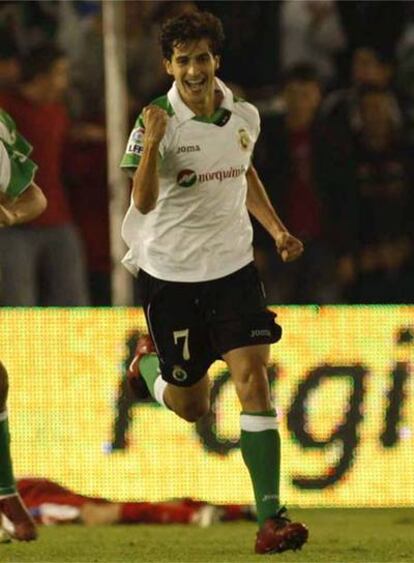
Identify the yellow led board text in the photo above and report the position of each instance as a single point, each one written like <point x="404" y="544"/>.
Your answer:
<point x="341" y="378"/>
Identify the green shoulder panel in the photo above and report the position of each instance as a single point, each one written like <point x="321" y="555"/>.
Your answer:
<point x="164" y="103"/>
<point x="134" y="146"/>
<point x="22" y="173"/>
<point x="10" y="135"/>
<point x="8" y="127"/>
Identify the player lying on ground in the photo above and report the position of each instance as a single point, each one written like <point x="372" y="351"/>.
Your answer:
<point x="50" y="503"/>
<point x="190" y="246"/>
<point x="20" y="201"/>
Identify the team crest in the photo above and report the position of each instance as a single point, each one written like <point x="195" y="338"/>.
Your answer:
<point x="179" y="374"/>
<point x="244" y="139"/>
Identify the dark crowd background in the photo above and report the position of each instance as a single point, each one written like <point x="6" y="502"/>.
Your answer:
<point x="334" y="84"/>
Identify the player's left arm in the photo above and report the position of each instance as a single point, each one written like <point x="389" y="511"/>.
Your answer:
<point x="259" y="205"/>
<point x="26" y="207"/>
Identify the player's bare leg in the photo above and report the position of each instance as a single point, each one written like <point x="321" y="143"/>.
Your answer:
<point x="189" y="403"/>
<point x="260" y="446"/>
<point x="12" y="507"/>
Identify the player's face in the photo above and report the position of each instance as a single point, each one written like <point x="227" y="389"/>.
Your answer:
<point x="193" y="67"/>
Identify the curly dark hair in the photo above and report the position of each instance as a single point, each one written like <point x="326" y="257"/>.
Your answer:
<point x="192" y="26"/>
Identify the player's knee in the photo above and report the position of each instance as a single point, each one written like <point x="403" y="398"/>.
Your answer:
<point x="4" y="386"/>
<point x="191" y="412"/>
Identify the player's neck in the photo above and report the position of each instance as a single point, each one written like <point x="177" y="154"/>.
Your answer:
<point x="208" y="106"/>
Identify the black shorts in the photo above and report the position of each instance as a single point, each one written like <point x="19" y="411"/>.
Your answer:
<point x="194" y="324"/>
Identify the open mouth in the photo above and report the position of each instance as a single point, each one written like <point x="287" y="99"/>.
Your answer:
<point x="195" y="86"/>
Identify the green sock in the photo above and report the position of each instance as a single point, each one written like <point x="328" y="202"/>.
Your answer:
<point x="260" y="447"/>
<point x="7" y="482"/>
<point x="149" y="368"/>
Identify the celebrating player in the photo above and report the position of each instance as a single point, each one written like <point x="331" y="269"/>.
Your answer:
<point x="190" y="243"/>
<point x="20" y="201"/>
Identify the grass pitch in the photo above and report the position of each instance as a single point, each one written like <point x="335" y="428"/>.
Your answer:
<point x="364" y="535"/>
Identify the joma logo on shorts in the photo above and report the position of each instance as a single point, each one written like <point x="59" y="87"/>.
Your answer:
<point x="189" y="148"/>
<point x="259" y="332"/>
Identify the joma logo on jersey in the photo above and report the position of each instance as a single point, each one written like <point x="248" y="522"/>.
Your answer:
<point x="188" y="148"/>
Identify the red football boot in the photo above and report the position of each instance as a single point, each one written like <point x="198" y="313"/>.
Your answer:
<point x="20" y="524"/>
<point x="136" y="381"/>
<point x="280" y="534"/>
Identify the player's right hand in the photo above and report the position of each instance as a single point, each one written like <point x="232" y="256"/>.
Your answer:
<point x="155" y="122"/>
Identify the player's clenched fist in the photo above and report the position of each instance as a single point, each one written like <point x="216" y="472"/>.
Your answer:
<point x="288" y="246"/>
<point x="155" y="122"/>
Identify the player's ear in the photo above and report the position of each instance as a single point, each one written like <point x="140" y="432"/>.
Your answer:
<point x="217" y="60"/>
<point x="168" y="67"/>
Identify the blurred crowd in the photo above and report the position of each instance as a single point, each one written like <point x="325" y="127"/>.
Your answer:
<point x="334" y="84"/>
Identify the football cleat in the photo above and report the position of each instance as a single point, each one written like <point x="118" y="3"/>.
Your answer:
<point x="279" y="534"/>
<point x="16" y="519"/>
<point x="135" y="380"/>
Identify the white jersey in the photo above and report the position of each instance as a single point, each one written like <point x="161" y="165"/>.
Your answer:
<point x="200" y="229"/>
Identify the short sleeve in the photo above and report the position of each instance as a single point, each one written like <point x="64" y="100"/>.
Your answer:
<point x="135" y="145"/>
<point x="17" y="171"/>
<point x="10" y="135"/>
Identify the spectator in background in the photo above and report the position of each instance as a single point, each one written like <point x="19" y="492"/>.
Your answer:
<point x="44" y="260"/>
<point x="311" y="31"/>
<point x="288" y="157"/>
<point x="9" y="63"/>
<point x="377" y="172"/>
<point x="377" y="24"/>
<point x="32" y="23"/>
<point x="86" y="180"/>
<point x="369" y="67"/>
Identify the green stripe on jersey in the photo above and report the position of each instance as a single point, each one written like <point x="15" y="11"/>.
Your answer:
<point x="10" y="136"/>
<point x="132" y="154"/>
<point x="20" y="174"/>
<point x="216" y="118"/>
<point x="164" y="103"/>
